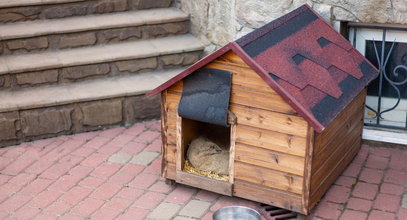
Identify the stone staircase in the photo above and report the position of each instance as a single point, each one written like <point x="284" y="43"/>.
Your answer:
<point x="69" y="66"/>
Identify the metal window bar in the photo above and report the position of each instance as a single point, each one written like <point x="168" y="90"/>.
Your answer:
<point x="382" y="60"/>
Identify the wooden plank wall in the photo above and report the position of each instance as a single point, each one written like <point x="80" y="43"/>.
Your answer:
<point x="335" y="147"/>
<point x="271" y="138"/>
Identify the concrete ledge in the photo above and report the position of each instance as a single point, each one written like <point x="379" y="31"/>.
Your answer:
<point x="91" y="22"/>
<point x="386" y="136"/>
<point x="19" y="3"/>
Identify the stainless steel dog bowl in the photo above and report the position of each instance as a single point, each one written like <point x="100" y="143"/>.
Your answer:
<point x="236" y="213"/>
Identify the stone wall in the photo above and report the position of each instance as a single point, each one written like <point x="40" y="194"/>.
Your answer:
<point x="218" y="22"/>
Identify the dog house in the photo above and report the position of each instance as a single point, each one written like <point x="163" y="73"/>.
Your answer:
<point x="280" y="109"/>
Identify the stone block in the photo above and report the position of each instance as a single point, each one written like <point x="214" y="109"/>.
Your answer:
<point x="133" y="66"/>
<point x="28" y="44"/>
<point x="179" y="59"/>
<point x="8" y="126"/>
<point x="77" y="40"/>
<point x="102" y="113"/>
<point x="19" y="14"/>
<point x="145" y="4"/>
<point x="61" y="11"/>
<point x="106" y="6"/>
<point x="79" y="72"/>
<point x="164" y="211"/>
<point x="163" y="30"/>
<point x="144" y="158"/>
<point x="114" y="35"/>
<point x="140" y="108"/>
<point x="195" y="208"/>
<point x="47" y="76"/>
<point x="2" y="81"/>
<point x="46" y="121"/>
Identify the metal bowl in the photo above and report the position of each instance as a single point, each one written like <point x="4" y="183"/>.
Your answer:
<point x="236" y="213"/>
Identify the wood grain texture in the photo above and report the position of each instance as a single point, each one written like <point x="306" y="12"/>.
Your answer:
<point x="221" y="187"/>
<point x="270" y="159"/>
<point x="271" y="140"/>
<point x="307" y="171"/>
<point x="232" y="153"/>
<point x="163" y="135"/>
<point x="268" y="178"/>
<point x="267" y="195"/>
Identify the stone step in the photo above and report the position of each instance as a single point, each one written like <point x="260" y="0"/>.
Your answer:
<point x="41" y="35"/>
<point x="26" y="10"/>
<point x="35" y="113"/>
<point x="88" y="63"/>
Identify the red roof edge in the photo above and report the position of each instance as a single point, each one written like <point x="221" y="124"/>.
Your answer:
<point x="281" y="91"/>
<point x="353" y="48"/>
<point x="190" y="69"/>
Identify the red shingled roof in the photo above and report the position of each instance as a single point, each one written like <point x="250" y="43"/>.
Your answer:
<point x="307" y="62"/>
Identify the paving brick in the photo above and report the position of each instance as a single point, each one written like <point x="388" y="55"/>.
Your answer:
<point x="154" y="167"/>
<point x="359" y="204"/>
<point x="395" y="177"/>
<point x="135" y="130"/>
<point x="55" y="171"/>
<point x="380" y="215"/>
<point x="134" y="214"/>
<point x="12" y="153"/>
<point x="64" y="183"/>
<point x="147" y="137"/>
<point x="132" y="169"/>
<point x="121" y="158"/>
<point x="164" y="211"/>
<point x="155" y="146"/>
<point x="133" y="148"/>
<point x="112" y="132"/>
<point x="162" y="187"/>
<point x="328" y="210"/>
<point x="143" y="181"/>
<point x="129" y="193"/>
<point x="87" y="207"/>
<point x="58" y="208"/>
<point x="18" y="165"/>
<point x="144" y="158"/>
<point x="153" y="125"/>
<point x="5" y="178"/>
<point x="95" y="159"/>
<point x="83" y="151"/>
<point x="377" y="162"/>
<point x="36" y="187"/>
<point x="182" y="218"/>
<point x="75" y="195"/>
<point x="106" y="213"/>
<point x="4" y="161"/>
<point x="121" y="139"/>
<point x="402" y="214"/>
<point x="64" y="149"/>
<point x="86" y="136"/>
<point x="118" y="204"/>
<point x="404" y="201"/>
<point x="39" y="166"/>
<point x="206" y="195"/>
<point x="96" y="142"/>
<point x="365" y="190"/>
<point x="106" y="191"/>
<point x="14" y="202"/>
<point x="70" y="216"/>
<point x="73" y="160"/>
<point x="345" y="181"/>
<point x="91" y="182"/>
<point x="8" y="189"/>
<point x="361" y="156"/>
<point x="80" y="171"/>
<point x="121" y="178"/>
<point x="207" y="216"/>
<point x="109" y="149"/>
<point x="387" y="202"/>
<point x="43" y="216"/>
<point x="26" y="212"/>
<point x="337" y="194"/>
<point x="195" y="208"/>
<point x="391" y="189"/>
<point x="22" y="179"/>
<point x="149" y="200"/>
<point x="181" y="194"/>
<point x="397" y="160"/>
<point x="44" y="199"/>
<point x="352" y="170"/>
<point x="106" y="170"/>
<point x="353" y="215"/>
<point x="374" y="176"/>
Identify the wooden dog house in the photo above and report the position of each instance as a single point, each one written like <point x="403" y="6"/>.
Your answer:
<point x="292" y="111"/>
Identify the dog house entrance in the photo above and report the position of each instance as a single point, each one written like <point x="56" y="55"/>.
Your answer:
<point x="205" y="154"/>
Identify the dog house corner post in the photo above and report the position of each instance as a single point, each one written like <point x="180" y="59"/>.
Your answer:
<point x="232" y="122"/>
<point x="307" y="170"/>
<point x="164" y="134"/>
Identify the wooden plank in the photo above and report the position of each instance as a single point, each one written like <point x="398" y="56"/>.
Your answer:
<point x="213" y="185"/>
<point x="269" y="178"/>
<point x="180" y="145"/>
<point x="258" y="99"/>
<point x="233" y="58"/>
<point x="271" y="140"/>
<point x="270" y="159"/>
<point x="342" y="146"/>
<point x="177" y="87"/>
<point x="267" y="195"/>
<point x="327" y="150"/>
<point x="232" y="153"/>
<point x="171" y="153"/>
<point x="330" y="178"/>
<point x="288" y="124"/>
<point x="322" y="138"/>
<point x="163" y="135"/>
<point x="172" y="102"/>
<point x="307" y="171"/>
<point x="171" y="172"/>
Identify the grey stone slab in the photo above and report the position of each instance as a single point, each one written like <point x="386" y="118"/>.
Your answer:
<point x="164" y="211"/>
<point x="120" y="158"/>
<point x="195" y="209"/>
<point x="404" y="201"/>
<point x="144" y="158"/>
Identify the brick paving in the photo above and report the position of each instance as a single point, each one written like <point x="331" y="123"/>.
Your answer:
<point x="114" y="174"/>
